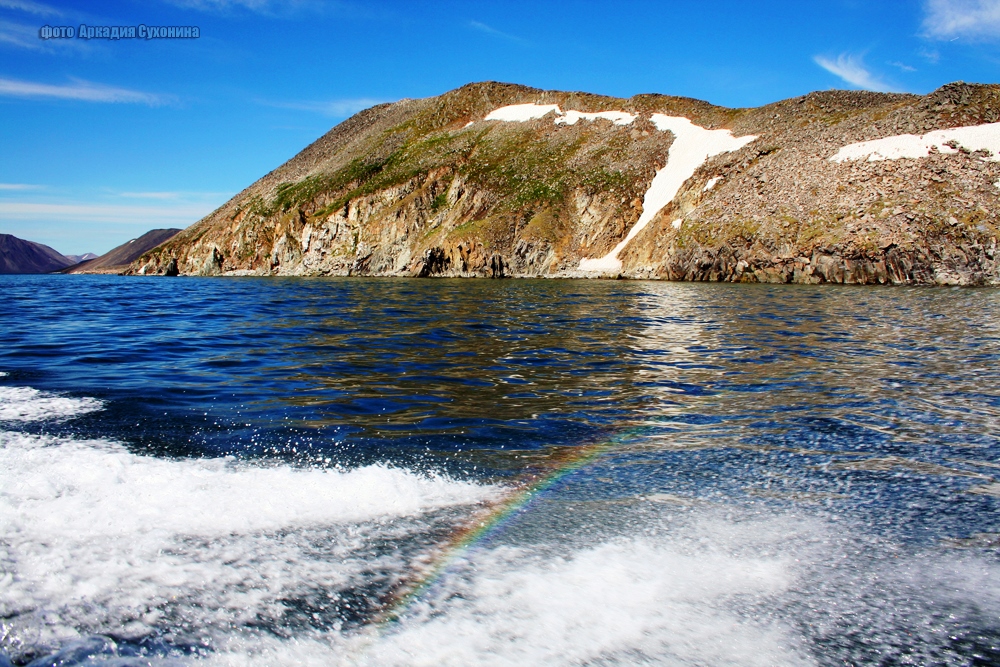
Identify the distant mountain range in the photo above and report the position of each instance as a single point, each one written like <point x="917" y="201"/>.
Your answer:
<point x="117" y="260"/>
<point x="20" y="256"/>
<point x="76" y="259"/>
<point x="499" y="180"/>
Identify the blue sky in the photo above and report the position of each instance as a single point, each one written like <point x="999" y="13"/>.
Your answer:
<point x="103" y="140"/>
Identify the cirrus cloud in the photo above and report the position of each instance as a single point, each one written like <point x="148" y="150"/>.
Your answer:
<point x="333" y="108"/>
<point x="30" y="7"/>
<point x="80" y="90"/>
<point x="490" y="30"/>
<point x="181" y="214"/>
<point x="20" y="186"/>
<point x="971" y="19"/>
<point x="851" y="69"/>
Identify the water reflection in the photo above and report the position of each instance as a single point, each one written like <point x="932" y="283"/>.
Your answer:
<point x="482" y="360"/>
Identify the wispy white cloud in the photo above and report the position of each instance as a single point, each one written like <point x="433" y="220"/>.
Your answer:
<point x="30" y="7"/>
<point x="25" y="36"/>
<point x="20" y="186"/>
<point x="851" y="68"/>
<point x="332" y="108"/>
<point x="80" y="90"/>
<point x="933" y="56"/>
<point x="20" y="35"/>
<point x="150" y="195"/>
<point x="260" y="6"/>
<point x="903" y="66"/>
<point x="264" y="7"/>
<point x="489" y="30"/>
<point x="173" y="196"/>
<point x="971" y="19"/>
<point x="183" y="214"/>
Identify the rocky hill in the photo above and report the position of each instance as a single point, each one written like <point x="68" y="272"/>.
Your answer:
<point x="503" y="180"/>
<point x="118" y="259"/>
<point x="20" y="256"/>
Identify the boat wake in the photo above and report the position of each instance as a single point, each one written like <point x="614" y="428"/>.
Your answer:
<point x="108" y="557"/>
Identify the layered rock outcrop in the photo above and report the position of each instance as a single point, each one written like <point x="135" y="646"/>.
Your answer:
<point x="450" y="186"/>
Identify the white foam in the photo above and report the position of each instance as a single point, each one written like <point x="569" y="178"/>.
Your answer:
<point x="519" y="113"/>
<point x="642" y="600"/>
<point x="709" y="589"/>
<point x="26" y="404"/>
<point x="92" y="488"/>
<point x="617" y="600"/>
<point x="3" y="374"/>
<point x="87" y="525"/>
<point x="620" y="118"/>
<point x="692" y="146"/>
<point x="973" y="137"/>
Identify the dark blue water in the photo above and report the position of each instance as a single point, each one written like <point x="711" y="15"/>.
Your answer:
<point x="810" y="473"/>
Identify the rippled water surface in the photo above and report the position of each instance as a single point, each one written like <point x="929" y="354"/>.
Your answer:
<point x="448" y="472"/>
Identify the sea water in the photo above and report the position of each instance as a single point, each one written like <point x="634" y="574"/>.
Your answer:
<point x="468" y="472"/>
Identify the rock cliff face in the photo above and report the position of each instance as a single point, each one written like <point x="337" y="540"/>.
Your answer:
<point x="499" y="180"/>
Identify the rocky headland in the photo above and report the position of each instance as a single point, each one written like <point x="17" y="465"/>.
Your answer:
<point x="500" y="180"/>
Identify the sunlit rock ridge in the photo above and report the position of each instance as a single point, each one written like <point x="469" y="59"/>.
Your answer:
<point x="502" y="180"/>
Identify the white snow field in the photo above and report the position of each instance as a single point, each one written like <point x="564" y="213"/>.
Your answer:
<point x="973" y="137"/>
<point x="520" y="113"/>
<point x="692" y="146"/>
<point x="616" y="117"/>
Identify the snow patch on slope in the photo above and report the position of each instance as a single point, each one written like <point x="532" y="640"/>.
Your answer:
<point x="519" y="113"/>
<point x="617" y="117"/>
<point x="973" y="137"/>
<point x="692" y="146"/>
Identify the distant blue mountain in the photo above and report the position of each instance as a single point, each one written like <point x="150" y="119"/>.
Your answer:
<point x="82" y="258"/>
<point x="20" y="256"/>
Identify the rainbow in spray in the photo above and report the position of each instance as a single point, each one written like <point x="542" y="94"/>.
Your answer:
<point x="492" y="520"/>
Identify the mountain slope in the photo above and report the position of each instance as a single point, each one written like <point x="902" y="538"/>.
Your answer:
<point x="503" y="180"/>
<point x="76" y="259"/>
<point x="114" y="261"/>
<point x="19" y="256"/>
